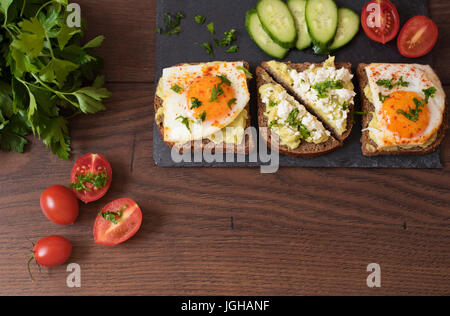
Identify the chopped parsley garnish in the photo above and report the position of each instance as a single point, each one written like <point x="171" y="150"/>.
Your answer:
<point x="185" y="121"/>
<point x="391" y="84"/>
<point x="199" y="19"/>
<point x="324" y="87"/>
<point x="211" y="28"/>
<point x="176" y="88"/>
<point x="196" y="103"/>
<point x="216" y="91"/>
<point x="231" y="103"/>
<point x="413" y="114"/>
<point x="273" y="123"/>
<point x="208" y="48"/>
<point x="225" y="80"/>
<point x="113" y="216"/>
<point x="345" y="106"/>
<point x="383" y="97"/>
<point x="233" y="49"/>
<point x="248" y="74"/>
<point x="229" y="38"/>
<point x="172" y="24"/>
<point x="293" y="121"/>
<point x="203" y="116"/>
<point x="272" y="104"/>
<point x="97" y="180"/>
<point x="429" y="93"/>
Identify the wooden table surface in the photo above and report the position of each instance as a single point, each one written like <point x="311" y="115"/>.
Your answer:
<point x="223" y="231"/>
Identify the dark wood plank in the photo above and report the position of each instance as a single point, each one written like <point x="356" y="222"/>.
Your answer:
<point x="223" y="231"/>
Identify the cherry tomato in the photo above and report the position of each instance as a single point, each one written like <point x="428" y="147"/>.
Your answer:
<point x="380" y="20"/>
<point x="59" y="205"/>
<point x="117" y="222"/>
<point x="52" y="251"/>
<point x="91" y="177"/>
<point x="417" y="37"/>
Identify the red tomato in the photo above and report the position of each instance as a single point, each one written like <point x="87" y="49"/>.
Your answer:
<point x="52" y="251"/>
<point x="59" y="205"/>
<point x="380" y="20"/>
<point x="117" y="222"/>
<point x="418" y="37"/>
<point x="91" y="177"/>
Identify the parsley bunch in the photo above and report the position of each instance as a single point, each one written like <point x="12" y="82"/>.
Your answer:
<point x="44" y="70"/>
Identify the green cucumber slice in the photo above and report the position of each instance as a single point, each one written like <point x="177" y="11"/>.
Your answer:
<point x="322" y="21"/>
<point x="298" y="8"/>
<point x="348" y="27"/>
<point x="278" y="22"/>
<point x="261" y="38"/>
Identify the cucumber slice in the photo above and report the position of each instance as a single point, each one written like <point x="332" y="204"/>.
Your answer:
<point x="261" y="38"/>
<point x="322" y="21"/>
<point x="297" y="8"/>
<point x="278" y="22"/>
<point x="348" y="27"/>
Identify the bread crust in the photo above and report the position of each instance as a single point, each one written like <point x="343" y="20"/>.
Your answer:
<point x="300" y="68"/>
<point x="369" y="108"/>
<point x="249" y="142"/>
<point x="305" y="150"/>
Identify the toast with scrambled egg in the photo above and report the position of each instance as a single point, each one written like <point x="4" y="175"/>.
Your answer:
<point x="326" y="89"/>
<point x="301" y="134"/>
<point x="212" y="106"/>
<point x="405" y="109"/>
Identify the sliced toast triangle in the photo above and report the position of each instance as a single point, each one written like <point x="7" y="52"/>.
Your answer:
<point x="305" y="150"/>
<point x="369" y="147"/>
<point x="300" y="68"/>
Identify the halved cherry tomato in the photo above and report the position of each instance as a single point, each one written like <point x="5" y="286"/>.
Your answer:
<point x="380" y="20"/>
<point x="117" y="222"/>
<point x="59" y="205"/>
<point x="418" y="37"/>
<point x="91" y="177"/>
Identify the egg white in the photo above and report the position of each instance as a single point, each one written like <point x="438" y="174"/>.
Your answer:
<point x="420" y="77"/>
<point x="175" y="104"/>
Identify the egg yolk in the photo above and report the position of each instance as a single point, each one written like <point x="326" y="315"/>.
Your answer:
<point x="398" y="123"/>
<point x="214" y="96"/>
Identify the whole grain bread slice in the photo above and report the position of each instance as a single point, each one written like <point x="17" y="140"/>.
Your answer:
<point x="369" y="147"/>
<point x="300" y="68"/>
<point x="305" y="150"/>
<point x="249" y="141"/>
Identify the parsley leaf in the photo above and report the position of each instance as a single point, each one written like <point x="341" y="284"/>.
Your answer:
<point x="429" y="93"/>
<point x="97" y="180"/>
<point x="211" y="28"/>
<point x="233" y="49"/>
<point x="113" y="216"/>
<point x="196" y="103"/>
<point x="391" y="84"/>
<point x="228" y="39"/>
<point x="383" y="97"/>
<point x="413" y="114"/>
<point x="248" y="74"/>
<point x="176" y="88"/>
<point x="231" y="103"/>
<point x="324" y="87"/>
<point x="216" y="91"/>
<point x="203" y="116"/>
<point x="199" y="19"/>
<point x="185" y="121"/>
<point x="293" y="121"/>
<point x="224" y="80"/>
<point x="208" y="48"/>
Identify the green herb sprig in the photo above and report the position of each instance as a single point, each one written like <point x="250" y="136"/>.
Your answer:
<point x="324" y="87"/>
<point x="113" y="216"/>
<point x="46" y="75"/>
<point x="391" y="84"/>
<point x="97" y="180"/>
<point x="293" y="121"/>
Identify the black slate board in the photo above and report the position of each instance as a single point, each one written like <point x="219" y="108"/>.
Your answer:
<point x="172" y="50"/>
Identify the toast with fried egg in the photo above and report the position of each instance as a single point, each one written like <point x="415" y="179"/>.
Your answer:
<point x="403" y="131"/>
<point x="204" y="74"/>
<point x="324" y="144"/>
<point x="339" y="123"/>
